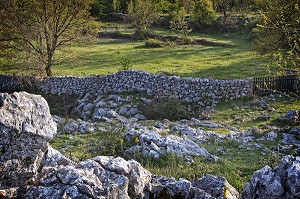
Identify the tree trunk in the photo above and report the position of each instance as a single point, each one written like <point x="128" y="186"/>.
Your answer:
<point x="49" y="62"/>
<point x="48" y="68"/>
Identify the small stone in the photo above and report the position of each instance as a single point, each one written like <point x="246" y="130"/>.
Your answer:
<point x="140" y="117"/>
<point x="132" y="111"/>
<point x="123" y="110"/>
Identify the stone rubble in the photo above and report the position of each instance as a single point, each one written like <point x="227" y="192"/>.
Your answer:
<point x="30" y="168"/>
<point x="291" y="117"/>
<point x="281" y="182"/>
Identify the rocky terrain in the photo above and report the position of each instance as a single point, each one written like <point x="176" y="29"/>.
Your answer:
<point x="31" y="168"/>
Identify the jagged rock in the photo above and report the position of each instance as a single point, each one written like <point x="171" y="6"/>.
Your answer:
<point x="145" y="100"/>
<point x="123" y="110"/>
<point x="290" y="118"/>
<point x="86" y="111"/>
<point x="78" y="126"/>
<point x="217" y="187"/>
<point x="87" y="179"/>
<point x="160" y="125"/>
<point x="151" y="140"/>
<point x="58" y="120"/>
<point x="271" y="136"/>
<point x="54" y="158"/>
<point x="208" y="187"/>
<point x="139" y="178"/>
<point x="295" y="131"/>
<point x="259" y="103"/>
<point x="101" y="113"/>
<point x="183" y="130"/>
<point x="132" y="111"/>
<point x="26" y="126"/>
<point x="290" y="140"/>
<point x="209" y="125"/>
<point x="139" y="117"/>
<point x="281" y="182"/>
<point x="71" y="126"/>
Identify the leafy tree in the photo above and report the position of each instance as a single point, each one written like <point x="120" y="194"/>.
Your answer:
<point x="278" y="31"/>
<point x="204" y="13"/>
<point x="223" y="6"/>
<point x="189" y="5"/>
<point x="142" y="15"/>
<point x="179" y="23"/>
<point x="40" y="27"/>
<point x="102" y="8"/>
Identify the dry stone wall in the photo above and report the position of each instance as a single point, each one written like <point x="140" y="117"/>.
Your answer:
<point x="189" y="89"/>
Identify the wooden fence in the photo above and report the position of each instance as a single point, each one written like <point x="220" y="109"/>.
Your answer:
<point x="267" y="85"/>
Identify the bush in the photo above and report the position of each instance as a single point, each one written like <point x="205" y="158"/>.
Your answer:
<point x="125" y="61"/>
<point x="204" y="13"/>
<point x="155" y="43"/>
<point x="166" y="108"/>
<point x="185" y="41"/>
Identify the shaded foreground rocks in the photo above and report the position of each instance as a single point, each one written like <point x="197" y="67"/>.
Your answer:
<point x="30" y="168"/>
<point x="281" y="182"/>
<point x="26" y="127"/>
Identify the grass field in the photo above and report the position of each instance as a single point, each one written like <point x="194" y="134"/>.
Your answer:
<point x="100" y="56"/>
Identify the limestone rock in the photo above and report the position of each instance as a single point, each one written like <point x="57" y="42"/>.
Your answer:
<point x="217" y="187"/>
<point x="281" y="182"/>
<point x="290" y="140"/>
<point x="271" y="136"/>
<point x="291" y="117"/>
<point x="26" y="126"/>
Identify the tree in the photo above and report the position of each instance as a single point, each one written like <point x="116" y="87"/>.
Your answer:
<point x="278" y="31"/>
<point x="102" y="8"/>
<point x="179" y="23"/>
<point x="204" y="13"/>
<point x="188" y="5"/>
<point x="40" y="27"/>
<point x="142" y="15"/>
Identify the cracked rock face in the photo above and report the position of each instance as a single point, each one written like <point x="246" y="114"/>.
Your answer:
<point x="26" y="126"/>
<point x="281" y="182"/>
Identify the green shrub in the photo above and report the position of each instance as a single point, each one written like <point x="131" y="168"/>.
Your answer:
<point x="125" y="60"/>
<point x="204" y="13"/>
<point x="155" y="43"/>
<point x="185" y="41"/>
<point x="166" y="108"/>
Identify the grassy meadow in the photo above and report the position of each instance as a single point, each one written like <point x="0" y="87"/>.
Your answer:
<point x="100" y="56"/>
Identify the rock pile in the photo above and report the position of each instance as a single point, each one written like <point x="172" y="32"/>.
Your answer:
<point x="30" y="168"/>
<point x="281" y="182"/>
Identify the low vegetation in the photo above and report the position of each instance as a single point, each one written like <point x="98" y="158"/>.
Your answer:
<point x="237" y="165"/>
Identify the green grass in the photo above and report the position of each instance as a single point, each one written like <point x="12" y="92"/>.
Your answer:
<point x="84" y="146"/>
<point x="242" y="115"/>
<point x="237" y="165"/>
<point x="100" y="56"/>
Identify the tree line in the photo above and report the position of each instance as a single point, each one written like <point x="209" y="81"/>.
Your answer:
<point x="35" y="29"/>
<point x="103" y="8"/>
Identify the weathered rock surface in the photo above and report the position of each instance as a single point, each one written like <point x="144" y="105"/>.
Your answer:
<point x="281" y="182"/>
<point x="291" y="117"/>
<point x="152" y="143"/>
<point x="30" y="168"/>
<point x="217" y="187"/>
<point x="26" y="126"/>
